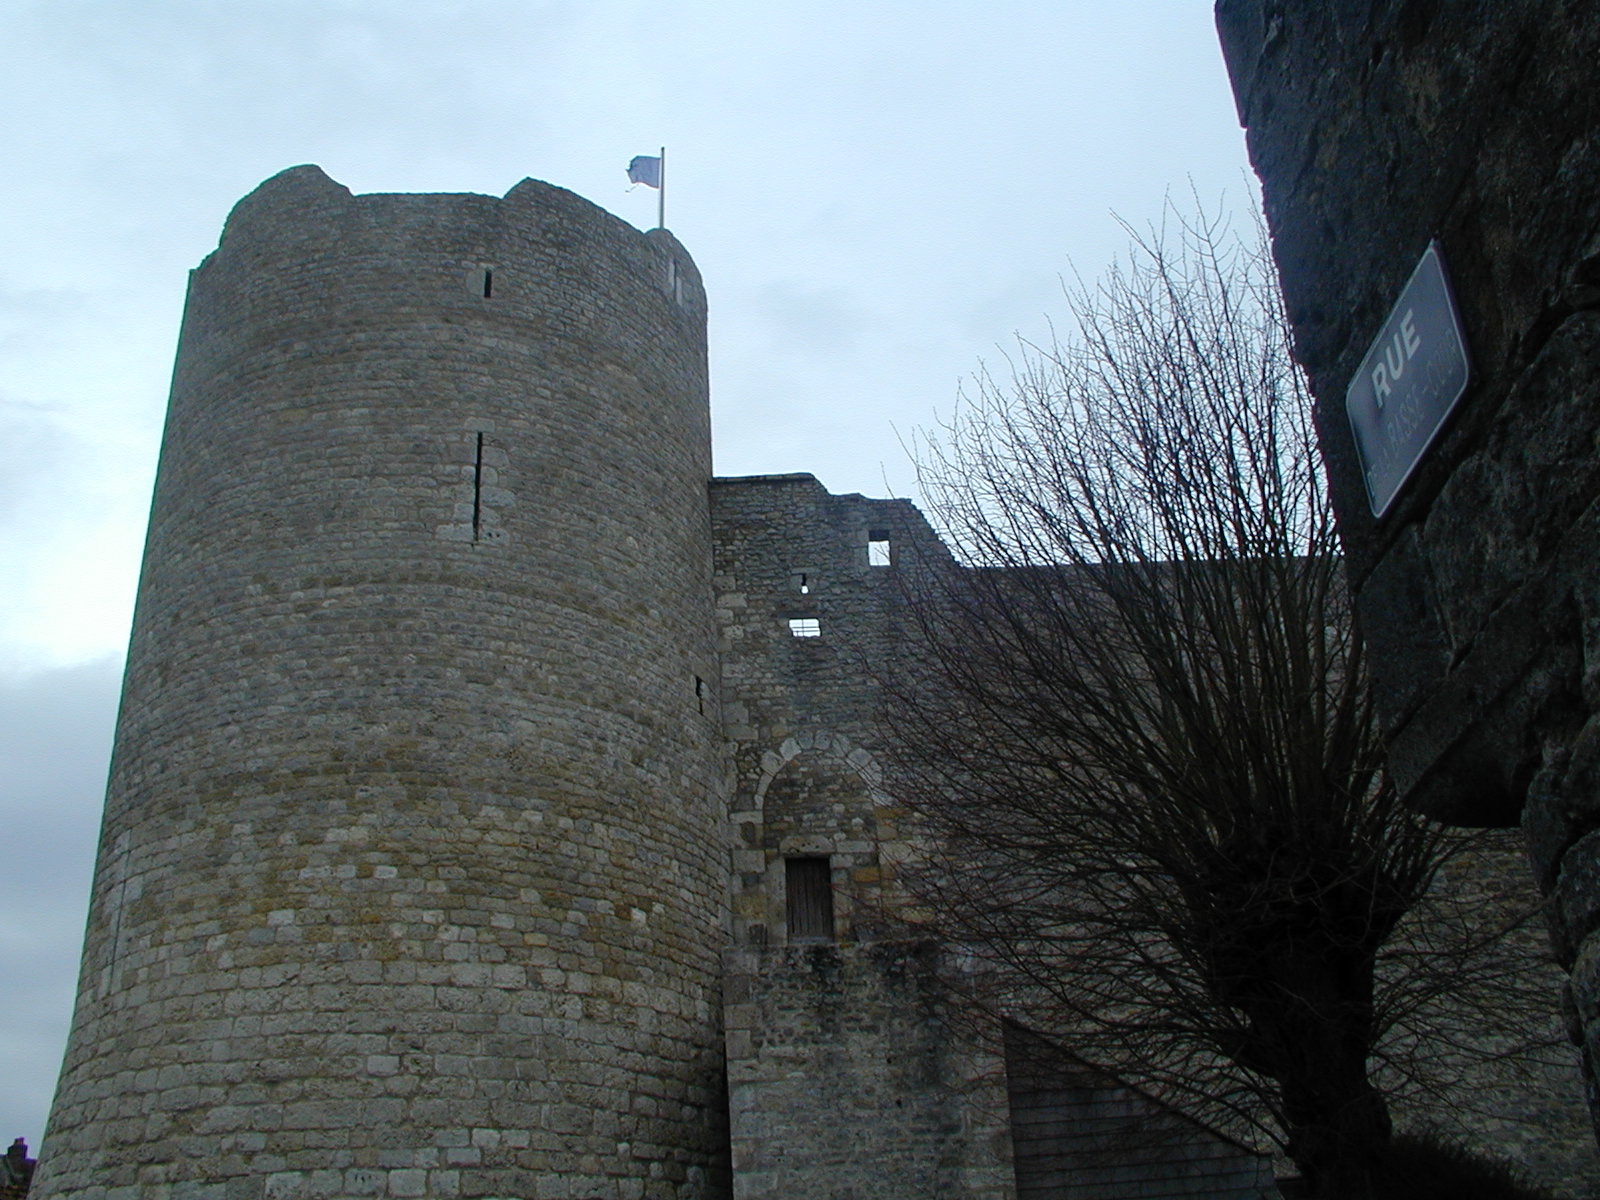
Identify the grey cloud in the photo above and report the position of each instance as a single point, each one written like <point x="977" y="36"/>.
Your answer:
<point x="55" y="741"/>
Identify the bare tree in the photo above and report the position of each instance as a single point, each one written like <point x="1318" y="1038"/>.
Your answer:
<point x="1134" y="715"/>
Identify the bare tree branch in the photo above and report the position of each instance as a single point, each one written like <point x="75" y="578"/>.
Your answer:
<point x="1136" y="721"/>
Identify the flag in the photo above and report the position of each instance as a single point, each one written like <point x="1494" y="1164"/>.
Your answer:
<point x="645" y="169"/>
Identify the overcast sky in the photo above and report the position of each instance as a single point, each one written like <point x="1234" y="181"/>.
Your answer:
<point x="880" y="195"/>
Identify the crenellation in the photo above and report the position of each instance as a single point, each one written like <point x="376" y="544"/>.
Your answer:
<point x="470" y="753"/>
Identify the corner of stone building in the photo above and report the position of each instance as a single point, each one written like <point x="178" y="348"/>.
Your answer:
<point x="1375" y="130"/>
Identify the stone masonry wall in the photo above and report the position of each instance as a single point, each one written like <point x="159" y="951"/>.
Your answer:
<point x="412" y="880"/>
<point x="1375" y="128"/>
<point x="800" y="711"/>
<point x="846" y="1080"/>
<point x="1529" y="1109"/>
<point x="846" y="1077"/>
<point x="855" y="1067"/>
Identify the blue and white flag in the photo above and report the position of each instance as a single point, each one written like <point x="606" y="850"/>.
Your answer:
<point x="645" y="169"/>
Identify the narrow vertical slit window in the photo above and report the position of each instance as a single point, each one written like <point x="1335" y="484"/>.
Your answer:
<point x="808" y="895"/>
<point x="878" y="548"/>
<point x="477" y="491"/>
<point x="488" y="283"/>
<point x="700" y="693"/>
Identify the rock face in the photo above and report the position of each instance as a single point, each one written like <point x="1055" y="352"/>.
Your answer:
<point x="412" y="868"/>
<point x="1376" y="128"/>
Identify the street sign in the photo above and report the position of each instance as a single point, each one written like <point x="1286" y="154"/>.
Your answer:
<point x="1409" y="382"/>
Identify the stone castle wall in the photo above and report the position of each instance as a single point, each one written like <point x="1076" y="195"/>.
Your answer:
<point x="1527" y="1109"/>
<point x="412" y="879"/>
<point x="856" y="1068"/>
<point x="1375" y="129"/>
<point x="466" y="750"/>
<point x="801" y="711"/>
<point x="847" y="1075"/>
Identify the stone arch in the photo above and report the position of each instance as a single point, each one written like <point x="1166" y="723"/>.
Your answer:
<point x="829" y="744"/>
<point x="816" y="793"/>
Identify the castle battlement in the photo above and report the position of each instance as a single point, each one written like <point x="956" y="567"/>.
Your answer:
<point x="498" y="808"/>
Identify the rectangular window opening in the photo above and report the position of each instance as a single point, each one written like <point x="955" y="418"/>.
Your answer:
<point x="808" y="896"/>
<point x="488" y="283"/>
<point x="805" y="627"/>
<point x="700" y="693"/>
<point x="878" y="548"/>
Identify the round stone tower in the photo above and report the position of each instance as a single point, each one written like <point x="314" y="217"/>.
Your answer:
<point x="412" y="879"/>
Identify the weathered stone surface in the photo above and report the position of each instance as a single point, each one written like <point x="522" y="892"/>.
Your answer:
<point x="847" y="1078"/>
<point x="466" y="739"/>
<point x="412" y="879"/>
<point x="1394" y="609"/>
<point x="803" y="710"/>
<point x="1563" y="802"/>
<point x="1375" y="128"/>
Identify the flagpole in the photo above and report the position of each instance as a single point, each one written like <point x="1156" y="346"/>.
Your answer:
<point x="661" y="193"/>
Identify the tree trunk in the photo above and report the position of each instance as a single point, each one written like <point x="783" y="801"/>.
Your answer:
<point x="1338" y="1123"/>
